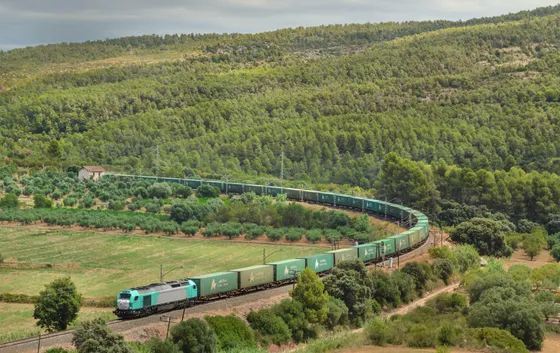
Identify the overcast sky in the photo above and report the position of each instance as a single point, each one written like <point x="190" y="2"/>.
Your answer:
<point x="32" y="22"/>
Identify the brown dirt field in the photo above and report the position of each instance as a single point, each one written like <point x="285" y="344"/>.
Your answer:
<point x="520" y="258"/>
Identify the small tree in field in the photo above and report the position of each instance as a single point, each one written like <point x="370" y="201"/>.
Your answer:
<point x="96" y="337"/>
<point x="58" y="305"/>
<point x="532" y="246"/>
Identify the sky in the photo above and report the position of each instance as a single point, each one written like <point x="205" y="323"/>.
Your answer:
<point x="32" y="22"/>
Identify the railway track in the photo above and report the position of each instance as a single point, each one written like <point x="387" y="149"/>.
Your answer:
<point x="35" y="344"/>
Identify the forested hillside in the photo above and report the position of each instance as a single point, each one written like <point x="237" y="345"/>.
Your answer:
<point x="474" y="98"/>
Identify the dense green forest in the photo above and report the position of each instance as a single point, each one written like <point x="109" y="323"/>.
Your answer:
<point x="473" y="107"/>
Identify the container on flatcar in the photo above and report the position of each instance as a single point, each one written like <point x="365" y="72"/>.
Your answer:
<point x="344" y="254"/>
<point x="325" y="197"/>
<point x="273" y="190"/>
<point x="310" y="195"/>
<point x="215" y="283"/>
<point x="235" y="188"/>
<point x="373" y="206"/>
<point x="319" y="262"/>
<point x="254" y="275"/>
<point x="257" y="189"/>
<point x="293" y="194"/>
<point x="287" y="269"/>
<point x="342" y="200"/>
<point x="401" y="242"/>
<point x="368" y="251"/>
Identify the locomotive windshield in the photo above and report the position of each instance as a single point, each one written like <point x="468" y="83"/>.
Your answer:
<point x="124" y="296"/>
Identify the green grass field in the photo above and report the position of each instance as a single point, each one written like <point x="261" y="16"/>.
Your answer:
<point x="16" y="320"/>
<point x="101" y="264"/>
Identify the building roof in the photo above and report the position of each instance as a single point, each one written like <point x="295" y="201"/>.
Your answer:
<point x="94" y="168"/>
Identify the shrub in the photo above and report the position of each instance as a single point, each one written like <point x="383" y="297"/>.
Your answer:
<point x="418" y="273"/>
<point x="116" y="205"/>
<point x="420" y="336"/>
<point x="446" y="334"/>
<point x="41" y="201"/>
<point x="333" y="236"/>
<point x="189" y="230"/>
<point x="183" y="191"/>
<point x="292" y="313"/>
<point x="497" y="338"/>
<point x="212" y="230"/>
<point x="446" y="303"/>
<point x="295" y="234"/>
<point x="57" y="350"/>
<point x="314" y="235"/>
<point x="9" y="201"/>
<point x="270" y="328"/>
<point x="160" y="190"/>
<point x="153" y="208"/>
<point x="378" y="332"/>
<point x="232" y="229"/>
<point x="207" y="191"/>
<point x="194" y="336"/>
<point x="337" y="314"/>
<point x="156" y="345"/>
<point x="232" y="332"/>
<point x="254" y="233"/>
<point x="275" y="234"/>
<point x="443" y="269"/>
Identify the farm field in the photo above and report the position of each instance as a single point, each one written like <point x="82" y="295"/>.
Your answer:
<point x="101" y="265"/>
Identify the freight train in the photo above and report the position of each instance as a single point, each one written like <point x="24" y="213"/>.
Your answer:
<point x="160" y="297"/>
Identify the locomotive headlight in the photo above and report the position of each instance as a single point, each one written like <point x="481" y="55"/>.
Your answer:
<point x="123" y="304"/>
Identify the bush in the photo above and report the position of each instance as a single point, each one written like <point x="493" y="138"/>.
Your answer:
<point x="189" y="230"/>
<point x="295" y="234"/>
<point x="275" y="234"/>
<point x="40" y="201"/>
<point x="232" y="229"/>
<point x="57" y="350"/>
<point x="420" y="336"/>
<point x="254" y="233"/>
<point x="443" y="269"/>
<point x="270" y="328"/>
<point x="337" y="314"/>
<point x="497" y="338"/>
<point x="467" y="257"/>
<point x="183" y="191"/>
<point x="153" y="208"/>
<point x="447" y="303"/>
<point x="194" y="336"/>
<point x="160" y="190"/>
<point x="9" y="201"/>
<point x="232" y="332"/>
<point x="378" y="332"/>
<point x="212" y="230"/>
<point x="207" y="191"/>
<point x="446" y="334"/>
<point x="333" y="236"/>
<point x="292" y="313"/>
<point x="314" y="235"/>
<point x="418" y="273"/>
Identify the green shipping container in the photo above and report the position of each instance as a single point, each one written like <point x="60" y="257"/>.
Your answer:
<point x="368" y="251"/>
<point x="344" y="254"/>
<point x="319" y="262"/>
<point x="255" y="275"/>
<point x="401" y="242"/>
<point x="215" y="283"/>
<point x="287" y="269"/>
